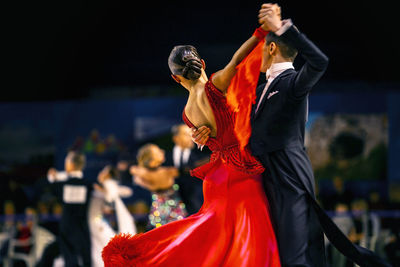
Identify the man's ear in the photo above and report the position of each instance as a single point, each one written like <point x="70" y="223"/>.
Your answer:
<point x="203" y="63"/>
<point x="272" y="48"/>
<point x="176" y="78"/>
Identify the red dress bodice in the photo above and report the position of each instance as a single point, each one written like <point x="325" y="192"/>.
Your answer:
<point x="225" y="146"/>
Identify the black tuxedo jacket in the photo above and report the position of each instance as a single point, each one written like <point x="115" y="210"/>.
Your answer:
<point x="278" y="141"/>
<point x="280" y="121"/>
<point x="74" y="187"/>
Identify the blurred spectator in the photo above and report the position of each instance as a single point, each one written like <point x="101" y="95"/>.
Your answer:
<point x="17" y="195"/>
<point x="43" y="209"/>
<point x="92" y="141"/>
<point x="344" y="221"/>
<point x="340" y="194"/>
<point x="112" y="144"/>
<point x="375" y="201"/>
<point x="7" y="225"/>
<point x="25" y="229"/>
<point x="9" y="216"/>
<point x="21" y="250"/>
<point x="367" y="225"/>
<point x="392" y="244"/>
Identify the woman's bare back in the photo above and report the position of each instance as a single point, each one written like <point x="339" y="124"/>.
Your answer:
<point x="160" y="179"/>
<point x="198" y="109"/>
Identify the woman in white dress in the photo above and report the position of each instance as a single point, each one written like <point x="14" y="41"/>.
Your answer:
<point x="109" y="192"/>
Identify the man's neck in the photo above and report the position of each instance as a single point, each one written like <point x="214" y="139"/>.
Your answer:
<point x="280" y="59"/>
<point x="75" y="173"/>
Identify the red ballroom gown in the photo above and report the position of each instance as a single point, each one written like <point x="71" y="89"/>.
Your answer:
<point x="233" y="227"/>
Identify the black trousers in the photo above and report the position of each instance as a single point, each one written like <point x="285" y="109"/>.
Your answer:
<point x="289" y="184"/>
<point x="298" y="219"/>
<point x="75" y="242"/>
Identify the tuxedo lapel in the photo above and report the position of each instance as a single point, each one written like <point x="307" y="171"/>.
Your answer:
<point x="259" y="91"/>
<point x="270" y="88"/>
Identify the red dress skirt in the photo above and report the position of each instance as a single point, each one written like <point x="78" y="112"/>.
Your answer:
<point x="233" y="227"/>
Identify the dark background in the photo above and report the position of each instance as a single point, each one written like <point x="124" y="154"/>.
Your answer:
<point x="72" y="49"/>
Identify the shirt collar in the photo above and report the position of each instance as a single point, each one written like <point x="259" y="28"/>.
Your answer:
<point x="278" y="68"/>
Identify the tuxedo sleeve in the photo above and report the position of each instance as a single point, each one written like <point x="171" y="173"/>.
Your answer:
<point x="315" y="65"/>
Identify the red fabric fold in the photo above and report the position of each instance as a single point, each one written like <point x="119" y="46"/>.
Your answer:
<point x="241" y="94"/>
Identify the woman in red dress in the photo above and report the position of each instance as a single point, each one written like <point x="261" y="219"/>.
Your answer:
<point x="233" y="227"/>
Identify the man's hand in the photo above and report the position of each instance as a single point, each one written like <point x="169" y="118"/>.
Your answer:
<point x="52" y="171"/>
<point x="52" y="174"/>
<point x="200" y="136"/>
<point x="269" y="17"/>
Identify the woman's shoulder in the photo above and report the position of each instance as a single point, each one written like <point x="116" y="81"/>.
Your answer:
<point x="210" y="88"/>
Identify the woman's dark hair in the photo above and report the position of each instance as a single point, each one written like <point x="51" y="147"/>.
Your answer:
<point x="185" y="60"/>
<point x="287" y="50"/>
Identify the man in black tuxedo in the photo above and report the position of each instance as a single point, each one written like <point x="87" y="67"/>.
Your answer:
<point x="74" y="192"/>
<point x="278" y="123"/>
<point x="278" y="127"/>
<point x="185" y="158"/>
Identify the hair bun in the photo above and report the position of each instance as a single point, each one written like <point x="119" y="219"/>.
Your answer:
<point x="192" y="69"/>
<point x="185" y="60"/>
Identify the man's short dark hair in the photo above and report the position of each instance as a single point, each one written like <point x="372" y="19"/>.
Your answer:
<point x="77" y="158"/>
<point x="286" y="49"/>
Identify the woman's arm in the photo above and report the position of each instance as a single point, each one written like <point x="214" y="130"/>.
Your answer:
<point x="142" y="183"/>
<point x="222" y="79"/>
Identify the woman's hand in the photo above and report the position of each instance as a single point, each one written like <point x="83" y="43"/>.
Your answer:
<point x="269" y="17"/>
<point x="52" y="172"/>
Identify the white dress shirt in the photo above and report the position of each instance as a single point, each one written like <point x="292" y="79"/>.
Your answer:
<point x="176" y="154"/>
